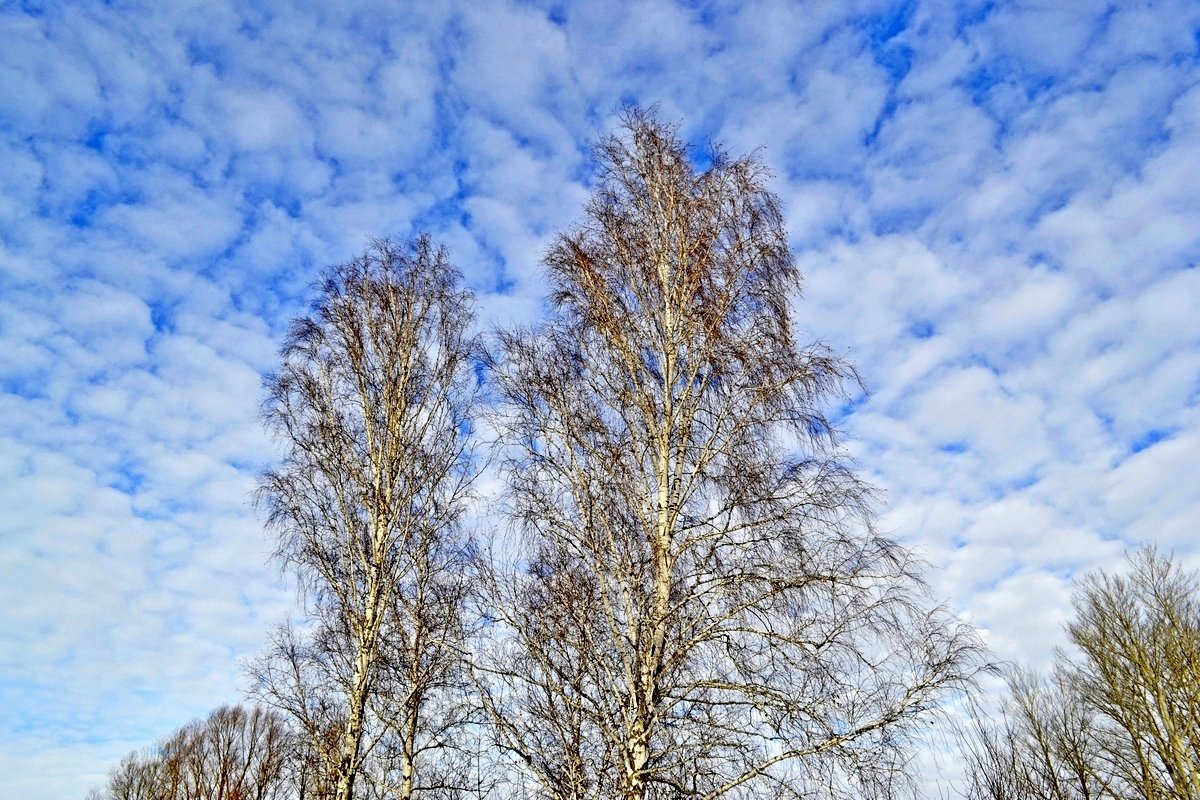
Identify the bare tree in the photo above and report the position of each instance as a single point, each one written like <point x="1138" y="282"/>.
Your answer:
<point x="139" y="776"/>
<point x="373" y="402"/>
<point x="236" y="753"/>
<point x="994" y="758"/>
<point x="1139" y="640"/>
<point x="1120" y="715"/>
<point x="1042" y="744"/>
<point x="703" y="608"/>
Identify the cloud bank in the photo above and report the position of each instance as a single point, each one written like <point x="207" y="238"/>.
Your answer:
<point x="994" y="205"/>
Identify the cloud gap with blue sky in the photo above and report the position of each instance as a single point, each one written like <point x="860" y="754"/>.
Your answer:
<point x="993" y="203"/>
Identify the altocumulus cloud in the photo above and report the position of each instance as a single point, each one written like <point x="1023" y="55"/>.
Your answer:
<point x="994" y="205"/>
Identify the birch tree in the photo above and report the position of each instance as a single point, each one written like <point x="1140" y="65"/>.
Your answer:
<point x="702" y="606"/>
<point x="373" y="404"/>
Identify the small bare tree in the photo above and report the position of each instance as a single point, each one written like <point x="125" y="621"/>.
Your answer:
<point x="703" y="608"/>
<point x="373" y="401"/>
<point x="1119" y="717"/>
<point x="139" y="776"/>
<point x="236" y="753"/>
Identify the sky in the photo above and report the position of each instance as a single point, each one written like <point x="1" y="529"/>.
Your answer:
<point x="994" y="205"/>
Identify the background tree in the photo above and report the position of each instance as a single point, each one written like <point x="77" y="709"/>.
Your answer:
<point x="236" y="753"/>
<point x="373" y="403"/>
<point x="1120" y="716"/>
<point x="1042" y="744"/>
<point x="703" y="607"/>
<point x="1139" y="640"/>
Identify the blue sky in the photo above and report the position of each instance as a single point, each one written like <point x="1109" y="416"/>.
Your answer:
<point x="995" y="206"/>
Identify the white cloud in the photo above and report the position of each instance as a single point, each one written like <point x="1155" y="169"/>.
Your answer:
<point x="1000" y="234"/>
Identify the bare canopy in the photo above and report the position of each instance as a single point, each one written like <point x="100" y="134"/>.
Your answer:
<point x="236" y="753"/>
